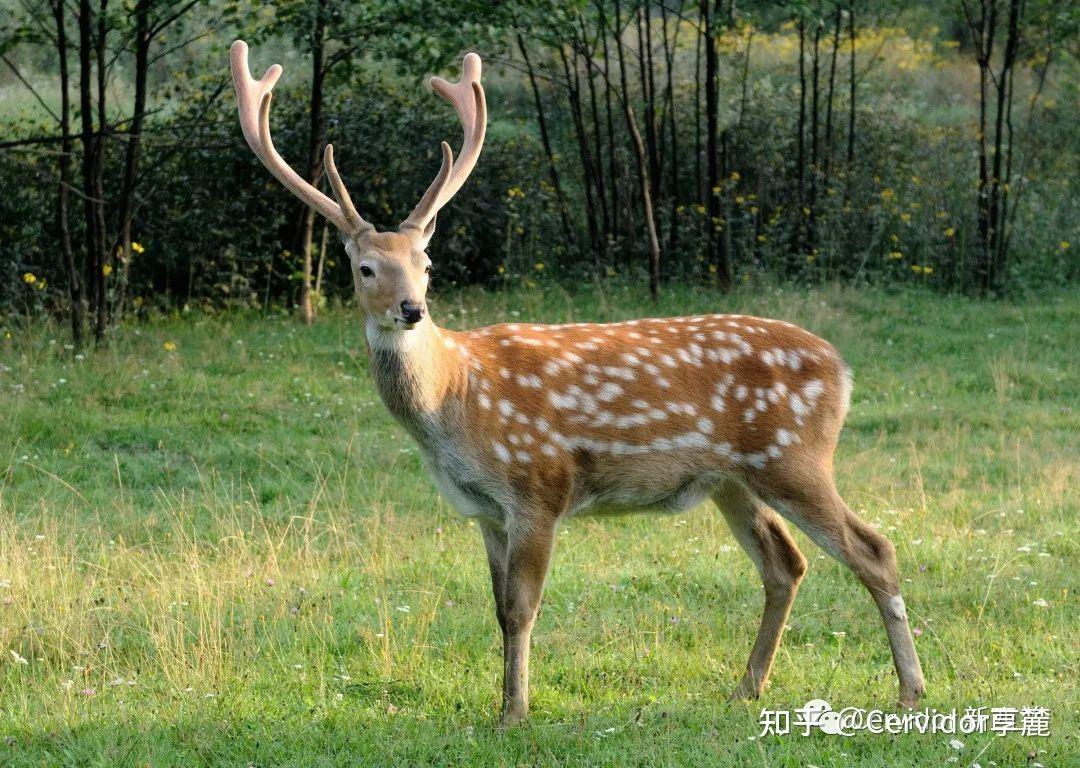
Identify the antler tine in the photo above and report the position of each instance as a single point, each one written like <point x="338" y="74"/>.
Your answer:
<point x="253" y="98"/>
<point x="467" y="98"/>
<point x="341" y="194"/>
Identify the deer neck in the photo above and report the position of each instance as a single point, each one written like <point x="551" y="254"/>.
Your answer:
<point x="413" y="372"/>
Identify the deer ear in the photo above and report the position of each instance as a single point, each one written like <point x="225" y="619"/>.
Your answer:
<point x="429" y="230"/>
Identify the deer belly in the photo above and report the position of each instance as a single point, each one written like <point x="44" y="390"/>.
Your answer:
<point x="629" y="499"/>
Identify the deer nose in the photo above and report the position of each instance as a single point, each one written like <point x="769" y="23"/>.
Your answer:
<point x="412" y="311"/>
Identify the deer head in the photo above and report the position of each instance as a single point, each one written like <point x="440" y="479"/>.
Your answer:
<point x="391" y="270"/>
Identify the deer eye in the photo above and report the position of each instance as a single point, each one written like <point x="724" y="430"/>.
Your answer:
<point x="429" y="269"/>
<point x="366" y="271"/>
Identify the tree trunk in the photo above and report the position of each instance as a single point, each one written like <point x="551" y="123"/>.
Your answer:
<point x="712" y="171"/>
<point x="598" y="155"/>
<point x="645" y="67"/>
<point x="800" y="152"/>
<point x="830" y="98"/>
<point x="89" y="151"/>
<point x="852" y="80"/>
<point x="134" y="146"/>
<point x="697" y="115"/>
<point x="643" y="170"/>
<point x="73" y="277"/>
<point x="998" y="184"/>
<point x="545" y="140"/>
<point x="609" y="118"/>
<point x="669" y="64"/>
<point x="316" y="139"/>
<point x="586" y="157"/>
<point x="102" y="324"/>
<point x="811" y="214"/>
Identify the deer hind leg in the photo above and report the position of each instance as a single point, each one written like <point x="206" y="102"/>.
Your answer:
<point x="765" y="538"/>
<point x="814" y="505"/>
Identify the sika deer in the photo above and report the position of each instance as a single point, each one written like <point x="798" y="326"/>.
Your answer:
<point x="522" y="426"/>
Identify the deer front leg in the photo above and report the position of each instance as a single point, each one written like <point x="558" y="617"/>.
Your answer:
<point x="495" y="542"/>
<point x="528" y="546"/>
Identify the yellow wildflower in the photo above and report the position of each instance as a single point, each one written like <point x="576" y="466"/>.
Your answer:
<point x="739" y="199"/>
<point x="762" y="239"/>
<point x="106" y="270"/>
<point x="29" y="278"/>
<point x="894" y="255"/>
<point x="887" y="194"/>
<point x="905" y="216"/>
<point x="539" y="266"/>
<point x="949" y="232"/>
<point x="169" y="346"/>
<point x="502" y="269"/>
<point x="735" y="176"/>
<point x="138" y="248"/>
<point x="1064" y="245"/>
<point x="699" y="208"/>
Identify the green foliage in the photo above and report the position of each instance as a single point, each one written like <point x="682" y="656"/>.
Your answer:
<point x="217" y="229"/>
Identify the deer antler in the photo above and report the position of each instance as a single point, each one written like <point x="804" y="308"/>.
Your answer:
<point x="253" y="100"/>
<point x="467" y="97"/>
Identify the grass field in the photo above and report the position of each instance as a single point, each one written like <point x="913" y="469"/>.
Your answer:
<point x="216" y="548"/>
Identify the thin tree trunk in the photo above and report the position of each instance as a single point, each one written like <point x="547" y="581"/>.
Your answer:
<point x="545" y="141"/>
<point x="745" y="83"/>
<point x="983" y="35"/>
<point x="609" y="118"/>
<point x="831" y="99"/>
<point x="712" y="172"/>
<point x="645" y="73"/>
<point x="316" y="139"/>
<point x="800" y="153"/>
<point x="73" y="277"/>
<point x="102" y="324"/>
<point x="811" y="214"/>
<point x="643" y="169"/>
<point x="134" y="147"/>
<point x="669" y="63"/>
<point x="586" y="158"/>
<point x="601" y="192"/>
<point x="697" y="114"/>
<point x="322" y="258"/>
<point x="86" y="119"/>
<point x="1012" y="42"/>
<point x="852" y="81"/>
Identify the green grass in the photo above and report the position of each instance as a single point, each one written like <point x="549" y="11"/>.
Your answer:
<point x="228" y="554"/>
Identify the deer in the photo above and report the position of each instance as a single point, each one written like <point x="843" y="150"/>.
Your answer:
<point x="523" y="426"/>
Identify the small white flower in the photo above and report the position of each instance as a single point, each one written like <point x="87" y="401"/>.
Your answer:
<point x="1040" y="603"/>
<point x="956" y="744"/>
<point x="839" y="634"/>
<point x="18" y="659"/>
